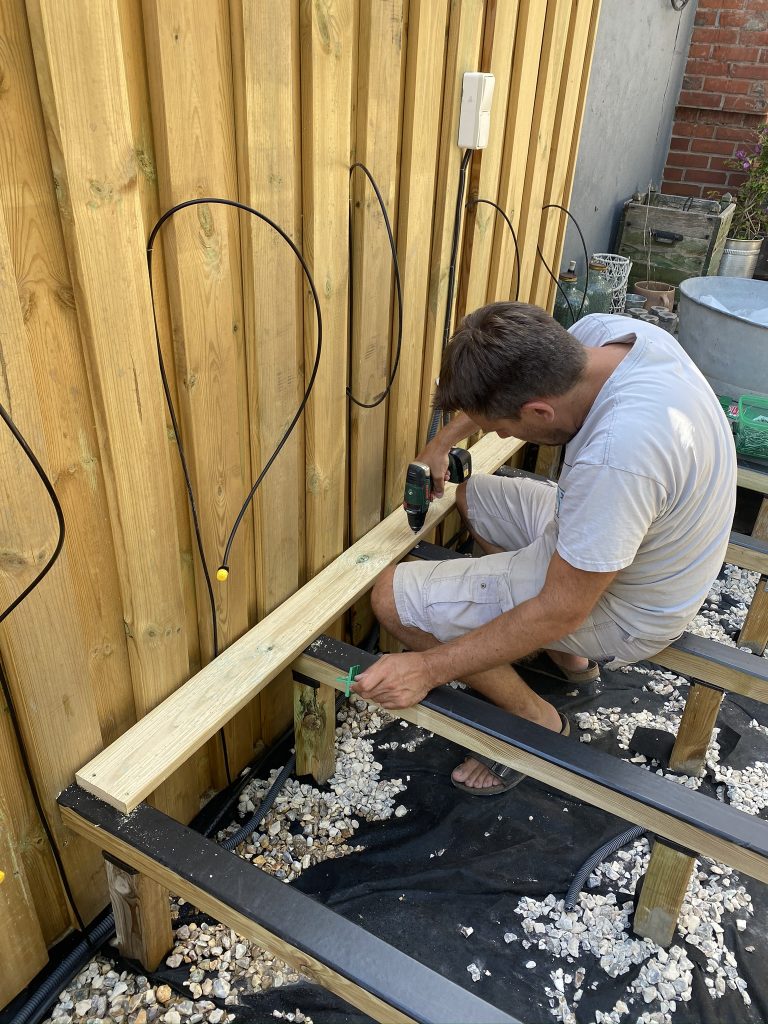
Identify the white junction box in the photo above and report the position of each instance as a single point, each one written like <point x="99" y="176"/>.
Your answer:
<point x="475" y="116"/>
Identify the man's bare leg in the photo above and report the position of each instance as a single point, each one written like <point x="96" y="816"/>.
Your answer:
<point x="502" y="685"/>
<point x="567" y="662"/>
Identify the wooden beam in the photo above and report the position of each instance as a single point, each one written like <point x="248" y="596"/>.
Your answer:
<point x="315" y="730"/>
<point x="662" y="894"/>
<point x="726" y="667"/>
<point x="91" y="146"/>
<point x="695" y="731"/>
<point x="331" y="951"/>
<point x="427" y="20"/>
<point x="266" y="63"/>
<point x="754" y="632"/>
<point x="133" y="766"/>
<point x="142" y="912"/>
<point x="751" y="478"/>
<point x="687" y="818"/>
<point x="748" y="553"/>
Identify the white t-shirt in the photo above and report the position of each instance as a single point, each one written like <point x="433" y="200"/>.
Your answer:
<point x="648" y="485"/>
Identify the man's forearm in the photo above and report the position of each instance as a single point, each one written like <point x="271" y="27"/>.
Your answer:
<point x="529" y="627"/>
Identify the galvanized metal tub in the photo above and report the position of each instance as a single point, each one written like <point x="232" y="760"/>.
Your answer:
<point x="739" y="257"/>
<point x="724" y="329"/>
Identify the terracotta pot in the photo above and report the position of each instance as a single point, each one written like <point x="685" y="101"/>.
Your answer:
<point x="658" y="293"/>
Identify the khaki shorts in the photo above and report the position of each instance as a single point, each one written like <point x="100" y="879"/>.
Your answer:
<point x="448" y="599"/>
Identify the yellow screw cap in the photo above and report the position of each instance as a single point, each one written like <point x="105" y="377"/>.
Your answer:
<point x="2" y="876"/>
<point x="222" y="574"/>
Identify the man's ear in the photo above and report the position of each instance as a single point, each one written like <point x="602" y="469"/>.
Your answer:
<point x="538" y="410"/>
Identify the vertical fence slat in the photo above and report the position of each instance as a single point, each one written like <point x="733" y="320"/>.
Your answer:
<point x="327" y="50"/>
<point x="522" y="95"/>
<point x="190" y="77"/>
<point x="566" y="126"/>
<point x="78" y="52"/>
<point x="498" y="48"/>
<point x="425" y="57"/>
<point x="578" y="119"/>
<point x="135" y="61"/>
<point x="55" y="349"/>
<point x="265" y="40"/>
<point x="542" y="138"/>
<point x="380" y="60"/>
<point x="380" y="56"/>
<point x="465" y="34"/>
<point x="44" y="662"/>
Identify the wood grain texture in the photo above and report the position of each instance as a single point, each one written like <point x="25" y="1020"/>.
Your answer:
<point x="22" y="947"/>
<point x="560" y="777"/>
<point x="497" y="53"/>
<point x="92" y="154"/>
<point x="266" y="65"/>
<point x="713" y="669"/>
<point x="462" y="54"/>
<point x="327" y="51"/>
<point x="133" y="766"/>
<point x="314" y="712"/>
<point x="542" y="144"/>
<point x="504" y="271"/>
<point x="754" y="632"/>
<point x="575" y="138"/>
<point x="45" y="665"/>
<point x="753" y="479"/>
<point x="427" y="21"/>
<point x="695" y="731"/>
<point x="142" y="913"/>
<point x="190" y="76"/>
<point x="664" y="887"/>
<point x="565" y="126"/>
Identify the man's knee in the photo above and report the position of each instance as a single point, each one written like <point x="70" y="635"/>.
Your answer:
<point x="383" y="599"/>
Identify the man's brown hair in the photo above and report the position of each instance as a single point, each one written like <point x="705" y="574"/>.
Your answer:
<point x="504" y="355"/>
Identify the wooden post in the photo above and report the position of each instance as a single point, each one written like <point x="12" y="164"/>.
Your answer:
<point x="266" y="64"/>
<point x="91" y="145"/>
<point x="315" y="724"/>
<point x="142" y="914"/>
<point x="427" y="20"/>
<point x="754" y="632"/>
<point x="664" y="888"/>
<point x="548" y="460"/>
<point x="696" y="727"/>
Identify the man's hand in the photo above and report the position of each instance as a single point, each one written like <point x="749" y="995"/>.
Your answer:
<point x="395" y="681"/>
<point x="435" y="453"/>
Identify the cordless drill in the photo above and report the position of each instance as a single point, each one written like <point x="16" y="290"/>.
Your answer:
<point x="418" y="484"/>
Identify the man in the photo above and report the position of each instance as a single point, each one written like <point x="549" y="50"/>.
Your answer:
<point x="607" y="566"/>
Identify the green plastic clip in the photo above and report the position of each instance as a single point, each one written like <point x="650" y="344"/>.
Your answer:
<point x="348" y="679"/>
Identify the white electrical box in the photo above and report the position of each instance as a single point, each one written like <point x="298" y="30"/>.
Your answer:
<point x="475" y="116"/>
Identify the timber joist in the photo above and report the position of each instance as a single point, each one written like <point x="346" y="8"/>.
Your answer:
<point x="687" y="818"/>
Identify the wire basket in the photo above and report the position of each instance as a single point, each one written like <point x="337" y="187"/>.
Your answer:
<point x="617" y="271"/>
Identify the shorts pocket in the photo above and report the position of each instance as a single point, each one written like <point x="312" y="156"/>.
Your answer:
<point x="485" y="590"/>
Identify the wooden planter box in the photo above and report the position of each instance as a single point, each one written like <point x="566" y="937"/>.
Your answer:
<point x="686" y="237"/>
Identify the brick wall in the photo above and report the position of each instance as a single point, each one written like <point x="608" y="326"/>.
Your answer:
<point x="724" y="96"/>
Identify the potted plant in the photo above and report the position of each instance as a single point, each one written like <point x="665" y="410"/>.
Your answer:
<point x="750" y="217"/>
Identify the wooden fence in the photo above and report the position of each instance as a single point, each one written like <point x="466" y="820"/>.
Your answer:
<point x="110" y="112"/>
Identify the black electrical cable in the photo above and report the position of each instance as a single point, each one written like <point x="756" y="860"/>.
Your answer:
<point x="557" y="206"/>
<point x="508" y="222"/>
<point x="3" y="681"/>
<point x="437" y="413"/>
<point x="56" y="504"/>
<point x="224" y="567"/>
<point x="398" y="290"/>
<point x="599" y="855"/>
